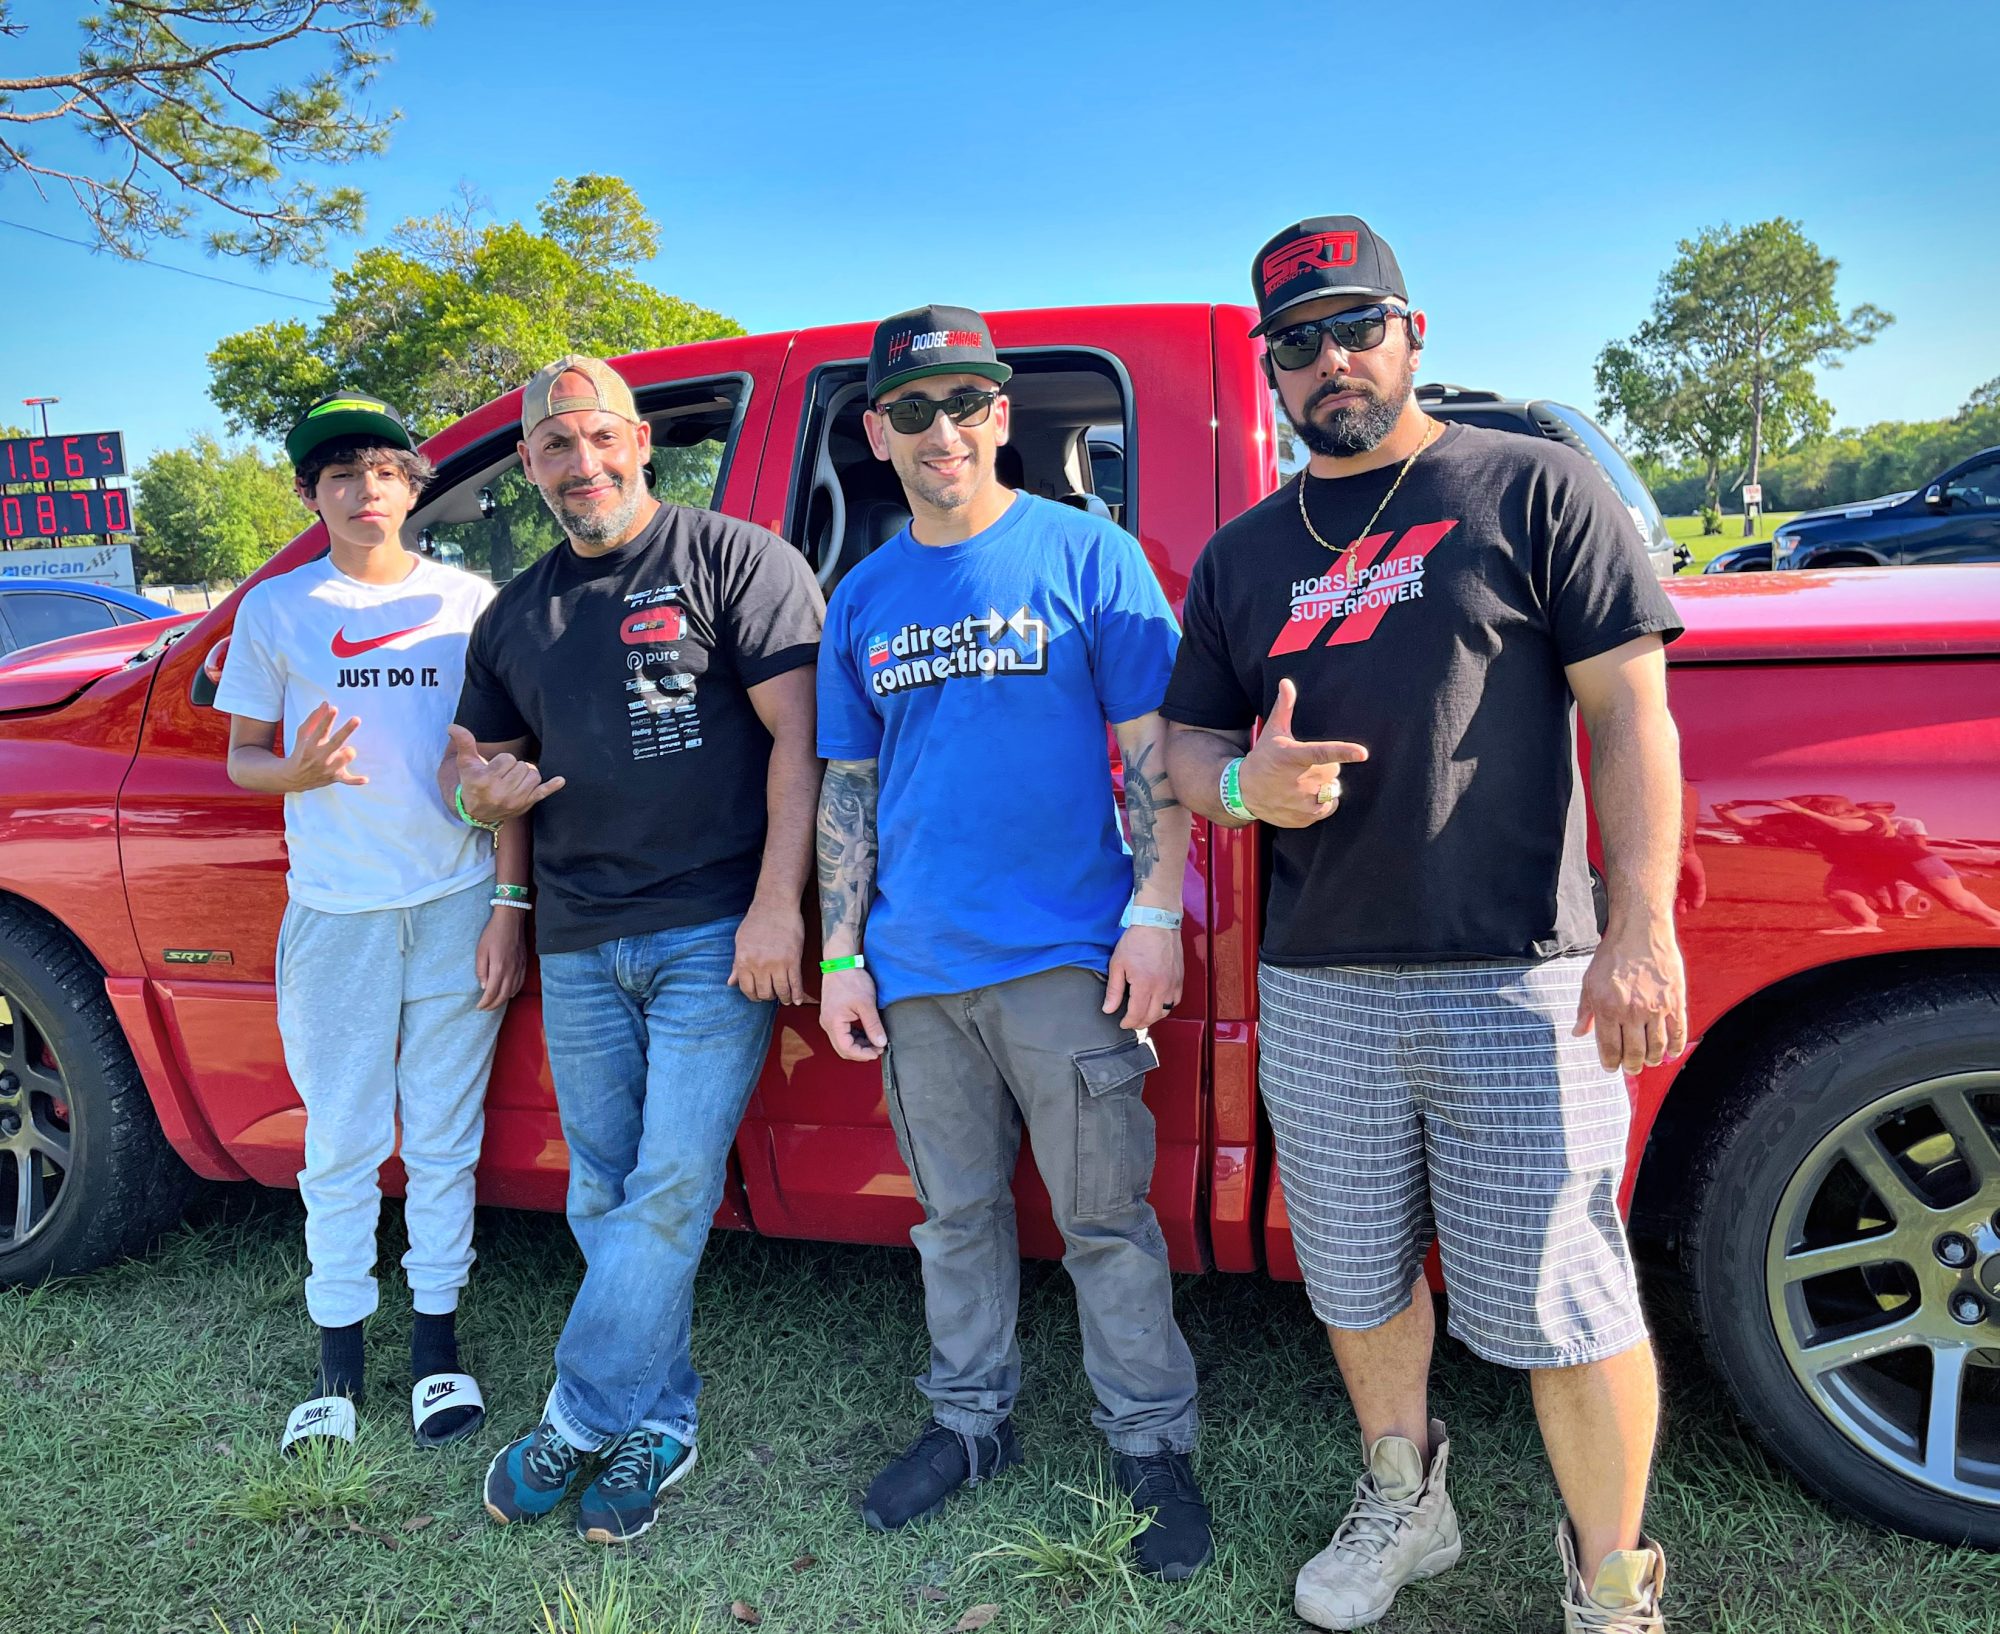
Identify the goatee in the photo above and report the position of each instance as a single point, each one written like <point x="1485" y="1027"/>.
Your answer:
<point x="1349" y="431"/>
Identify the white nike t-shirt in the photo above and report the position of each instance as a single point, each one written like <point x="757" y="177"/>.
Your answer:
<point x="394" y="655"/>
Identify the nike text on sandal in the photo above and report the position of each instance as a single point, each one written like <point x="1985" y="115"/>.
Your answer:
<point x="437" y="1394"/>
<point x="624" y="1500"/>
<point x="529" y="1477"/>
<point x="328" y="1418"/>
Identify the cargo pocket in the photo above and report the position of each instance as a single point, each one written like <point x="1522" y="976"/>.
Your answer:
<point x="1114" y="1131"/>
<point x="900" y="1124"/>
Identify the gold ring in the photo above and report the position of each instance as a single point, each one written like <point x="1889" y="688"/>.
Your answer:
<point x="1328" y="793"/>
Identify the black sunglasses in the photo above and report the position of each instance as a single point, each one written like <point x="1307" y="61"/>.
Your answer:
<point x="1360" y="329"/>
<point x="913" y="415"/>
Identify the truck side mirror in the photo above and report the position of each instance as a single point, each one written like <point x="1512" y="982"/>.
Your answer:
<point x="201" y="691"/>
<point x="1934" y="497"/>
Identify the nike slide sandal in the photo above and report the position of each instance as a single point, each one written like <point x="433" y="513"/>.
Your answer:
<point x="437" y="1393"/>
<point x="322" y="1418"/>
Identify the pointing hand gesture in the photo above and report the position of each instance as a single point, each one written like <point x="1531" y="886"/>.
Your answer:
<point x="501" y="788"/>
<point x="1289" y="783"/>
<point x="320" y="755"/>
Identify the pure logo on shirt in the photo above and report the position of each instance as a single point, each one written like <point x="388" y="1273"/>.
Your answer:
<point x="989" y="643"/>
<point x="1383" y="577"/>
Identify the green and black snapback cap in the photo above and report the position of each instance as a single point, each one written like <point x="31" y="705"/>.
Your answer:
<point x="346" y="414"/>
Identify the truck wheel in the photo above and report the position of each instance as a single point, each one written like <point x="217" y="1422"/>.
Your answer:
<point x="85" y="1174"/>
<point x="1845" y="1256"/>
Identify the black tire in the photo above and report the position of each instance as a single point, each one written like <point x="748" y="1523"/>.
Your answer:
<point x="1796" y="1173"/>
<point x="80" y="1148"/>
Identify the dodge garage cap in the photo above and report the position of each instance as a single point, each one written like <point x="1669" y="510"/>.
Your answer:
<point x="607" y="392"/>
<point x="1317" y="257"/>
<point x="929" y="340"/>
<point x="346" y="414"/>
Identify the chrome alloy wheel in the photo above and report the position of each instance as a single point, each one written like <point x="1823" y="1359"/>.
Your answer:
<point x="1883" y="1281"/>
<point x="34" y="1126"/>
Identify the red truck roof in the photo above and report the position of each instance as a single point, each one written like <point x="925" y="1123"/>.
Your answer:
<point x="1892" y="612"/>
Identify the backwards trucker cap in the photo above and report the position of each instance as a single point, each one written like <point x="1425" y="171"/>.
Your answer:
<point x="603" y="388"/>
<point x="929" y="340"/>
<point x="346" y="414"/>
<point x="1317" y="257"/>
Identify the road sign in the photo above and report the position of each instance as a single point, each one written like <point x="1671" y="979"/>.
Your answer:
<point x="1753" y="493"/>
<point x="87" y="564"/>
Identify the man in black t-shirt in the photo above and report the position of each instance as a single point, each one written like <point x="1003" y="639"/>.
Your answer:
<point x="1415" y="621"/>
<point x="660" y="663"/>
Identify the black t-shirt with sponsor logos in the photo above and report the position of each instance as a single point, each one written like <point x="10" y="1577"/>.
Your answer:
<point x="630" y="672"/>
<point x="1500" y="560"/>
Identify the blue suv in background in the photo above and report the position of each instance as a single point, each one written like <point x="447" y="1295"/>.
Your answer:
<point x="1955" y="517"/>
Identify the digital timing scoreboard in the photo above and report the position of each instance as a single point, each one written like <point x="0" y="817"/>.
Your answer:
<point x="45" y="511"/>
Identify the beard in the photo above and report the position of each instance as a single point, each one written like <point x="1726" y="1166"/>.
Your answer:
<point x="1356" y="430"/>
<point x="944" y="495"/>
<point x="606" y="527"/>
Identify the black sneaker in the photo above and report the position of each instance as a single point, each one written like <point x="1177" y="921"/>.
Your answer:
<point x="932" y="1468"/>
<point x="1178" y="1543"/>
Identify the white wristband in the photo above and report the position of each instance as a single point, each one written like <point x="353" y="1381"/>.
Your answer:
<point x="1151" y="918"/>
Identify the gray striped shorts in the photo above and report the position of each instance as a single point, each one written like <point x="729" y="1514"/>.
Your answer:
<point x="1449" y="1100"/>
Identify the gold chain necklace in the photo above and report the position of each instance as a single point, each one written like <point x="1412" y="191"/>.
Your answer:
<point x="1354" y="545"/>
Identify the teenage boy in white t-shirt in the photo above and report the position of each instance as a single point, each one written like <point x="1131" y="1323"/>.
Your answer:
<point x="399" y="950"/>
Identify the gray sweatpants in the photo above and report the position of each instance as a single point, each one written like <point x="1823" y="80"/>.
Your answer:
<point x="962" y="1073"/>
<point x="352" y="987"/>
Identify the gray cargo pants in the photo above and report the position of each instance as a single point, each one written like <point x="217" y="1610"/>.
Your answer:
<point x="961" y="1074"/>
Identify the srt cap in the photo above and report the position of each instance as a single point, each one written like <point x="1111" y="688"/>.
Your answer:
<point x="606" y="391"/>
<point x="346" y="414"/>
<point x="929" y="340"/>
<point x="1317" y="257"/>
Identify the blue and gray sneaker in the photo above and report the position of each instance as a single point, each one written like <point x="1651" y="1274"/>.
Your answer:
<point x="623" y="1502"/>
<point x="529" y="1477"/>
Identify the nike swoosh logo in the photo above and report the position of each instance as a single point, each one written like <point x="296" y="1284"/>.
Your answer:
<point x="343" y="648"/>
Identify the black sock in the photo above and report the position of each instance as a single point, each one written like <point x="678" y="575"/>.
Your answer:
<point x="434" y="1349"/>
<point x="340" y="1365"/>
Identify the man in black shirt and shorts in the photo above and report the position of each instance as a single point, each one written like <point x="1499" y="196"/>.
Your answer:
<point x="661" y="660"/>
<point x="1414" y="620"/>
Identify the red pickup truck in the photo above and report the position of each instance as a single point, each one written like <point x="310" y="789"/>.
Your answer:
<point x="1824" y="1162"/>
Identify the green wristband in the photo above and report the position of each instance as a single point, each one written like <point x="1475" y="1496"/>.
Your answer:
<point x="1232" y="791"/>
<point x="853" y="961"/>
<point x="510" y="893"/>
<point x="458" y="805"/>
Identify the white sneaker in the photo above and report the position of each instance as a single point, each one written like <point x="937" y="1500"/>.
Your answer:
<point x="1402" y="1527"/>
<point x="1624" y="1598"/>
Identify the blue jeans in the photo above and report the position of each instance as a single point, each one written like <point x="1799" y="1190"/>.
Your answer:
<point x="654" y="1057"/>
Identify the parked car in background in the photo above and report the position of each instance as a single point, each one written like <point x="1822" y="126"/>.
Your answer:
<point x="36" y="610"/>
<point x="1754" y="557"/>
<point x="1543" y="417"/>
<point x="1824" y="1161"/>
<point x="1955" y="517"/>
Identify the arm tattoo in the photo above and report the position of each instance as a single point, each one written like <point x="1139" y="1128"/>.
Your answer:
<point x="1147" y="794"/>
<point x="846" y="846"/>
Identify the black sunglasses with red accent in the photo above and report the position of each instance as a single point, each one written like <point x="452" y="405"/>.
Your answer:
<point x="1359" y="329"/>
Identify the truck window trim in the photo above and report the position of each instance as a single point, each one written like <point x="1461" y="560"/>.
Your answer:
<point x="805" y="455"/>
<point x="470" y="461"/>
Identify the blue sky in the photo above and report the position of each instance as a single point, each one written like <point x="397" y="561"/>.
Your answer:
<point x="1533" y="165"/>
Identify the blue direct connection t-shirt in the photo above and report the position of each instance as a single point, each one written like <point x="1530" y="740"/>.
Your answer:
<point x="979" y="676"/>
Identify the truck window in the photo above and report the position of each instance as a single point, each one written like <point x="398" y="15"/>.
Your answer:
<point x="484" y="515"/>
<point x="1071" y="429"/>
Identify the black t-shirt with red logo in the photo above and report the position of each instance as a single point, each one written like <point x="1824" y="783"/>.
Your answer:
<point x="630" y="672"/>
<point x="1501" y="559"/>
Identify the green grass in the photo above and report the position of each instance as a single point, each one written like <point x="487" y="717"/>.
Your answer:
<point x="140" y="1408"/>
<point x="1687" y="530"/>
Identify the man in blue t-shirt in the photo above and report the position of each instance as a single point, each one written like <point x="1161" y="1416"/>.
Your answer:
<point x="1017" y="948"/>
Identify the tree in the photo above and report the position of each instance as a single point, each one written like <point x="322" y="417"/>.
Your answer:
<point x="453" y="314"/>
<point x="177" y="98"/>
<point x="1725" y="362"/>
<point x="206" y="512"/>
<point x="1983" y="397"/>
